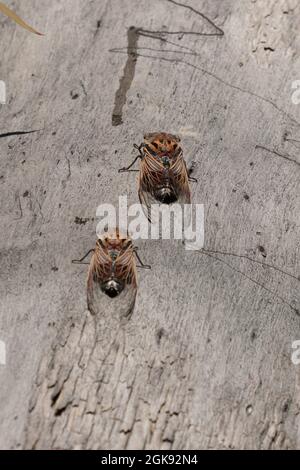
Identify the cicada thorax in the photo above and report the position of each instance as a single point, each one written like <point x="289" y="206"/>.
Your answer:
<point x="112" y="274"/>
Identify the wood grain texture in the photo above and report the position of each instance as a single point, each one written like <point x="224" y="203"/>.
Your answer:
<point x="205" y="359"/>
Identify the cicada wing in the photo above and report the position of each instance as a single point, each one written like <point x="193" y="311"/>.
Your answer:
<point x="184" y="194"/>
<point x="181" y="180"/>
<point x="184" y="200"/>
<point x="149" y="178"/>
<point x="100" y="303"/>
<point x="149" y="204"/>
<point x="126" y="270"/>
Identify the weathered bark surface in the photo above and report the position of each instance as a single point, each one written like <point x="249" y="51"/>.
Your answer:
<point x="205" y="359"/>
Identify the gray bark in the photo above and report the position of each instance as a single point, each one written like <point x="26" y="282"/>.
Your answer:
<point x="204" y="361"/>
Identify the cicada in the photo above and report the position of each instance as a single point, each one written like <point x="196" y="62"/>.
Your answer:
<point x="163" y="175"/>
<point x="112" y="274"/>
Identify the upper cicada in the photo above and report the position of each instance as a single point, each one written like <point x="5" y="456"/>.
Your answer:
<point x="163" y="176"/>
<point x="112" y="273"/>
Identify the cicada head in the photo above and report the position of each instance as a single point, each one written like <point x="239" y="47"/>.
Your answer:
<point x="114" y="237"/>
<point x="164" y="146"/>
<point x="114" y="241"/>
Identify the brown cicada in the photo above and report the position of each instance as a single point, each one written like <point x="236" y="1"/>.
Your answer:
<point x="112" y="273"/>
<point x="163" y="175"/>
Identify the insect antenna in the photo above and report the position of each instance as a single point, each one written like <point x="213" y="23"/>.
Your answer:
<point x="79" y="261"/>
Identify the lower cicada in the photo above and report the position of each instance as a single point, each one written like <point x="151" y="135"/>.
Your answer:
<point x="163" y="175"/>
<point x="112" y="273"/>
